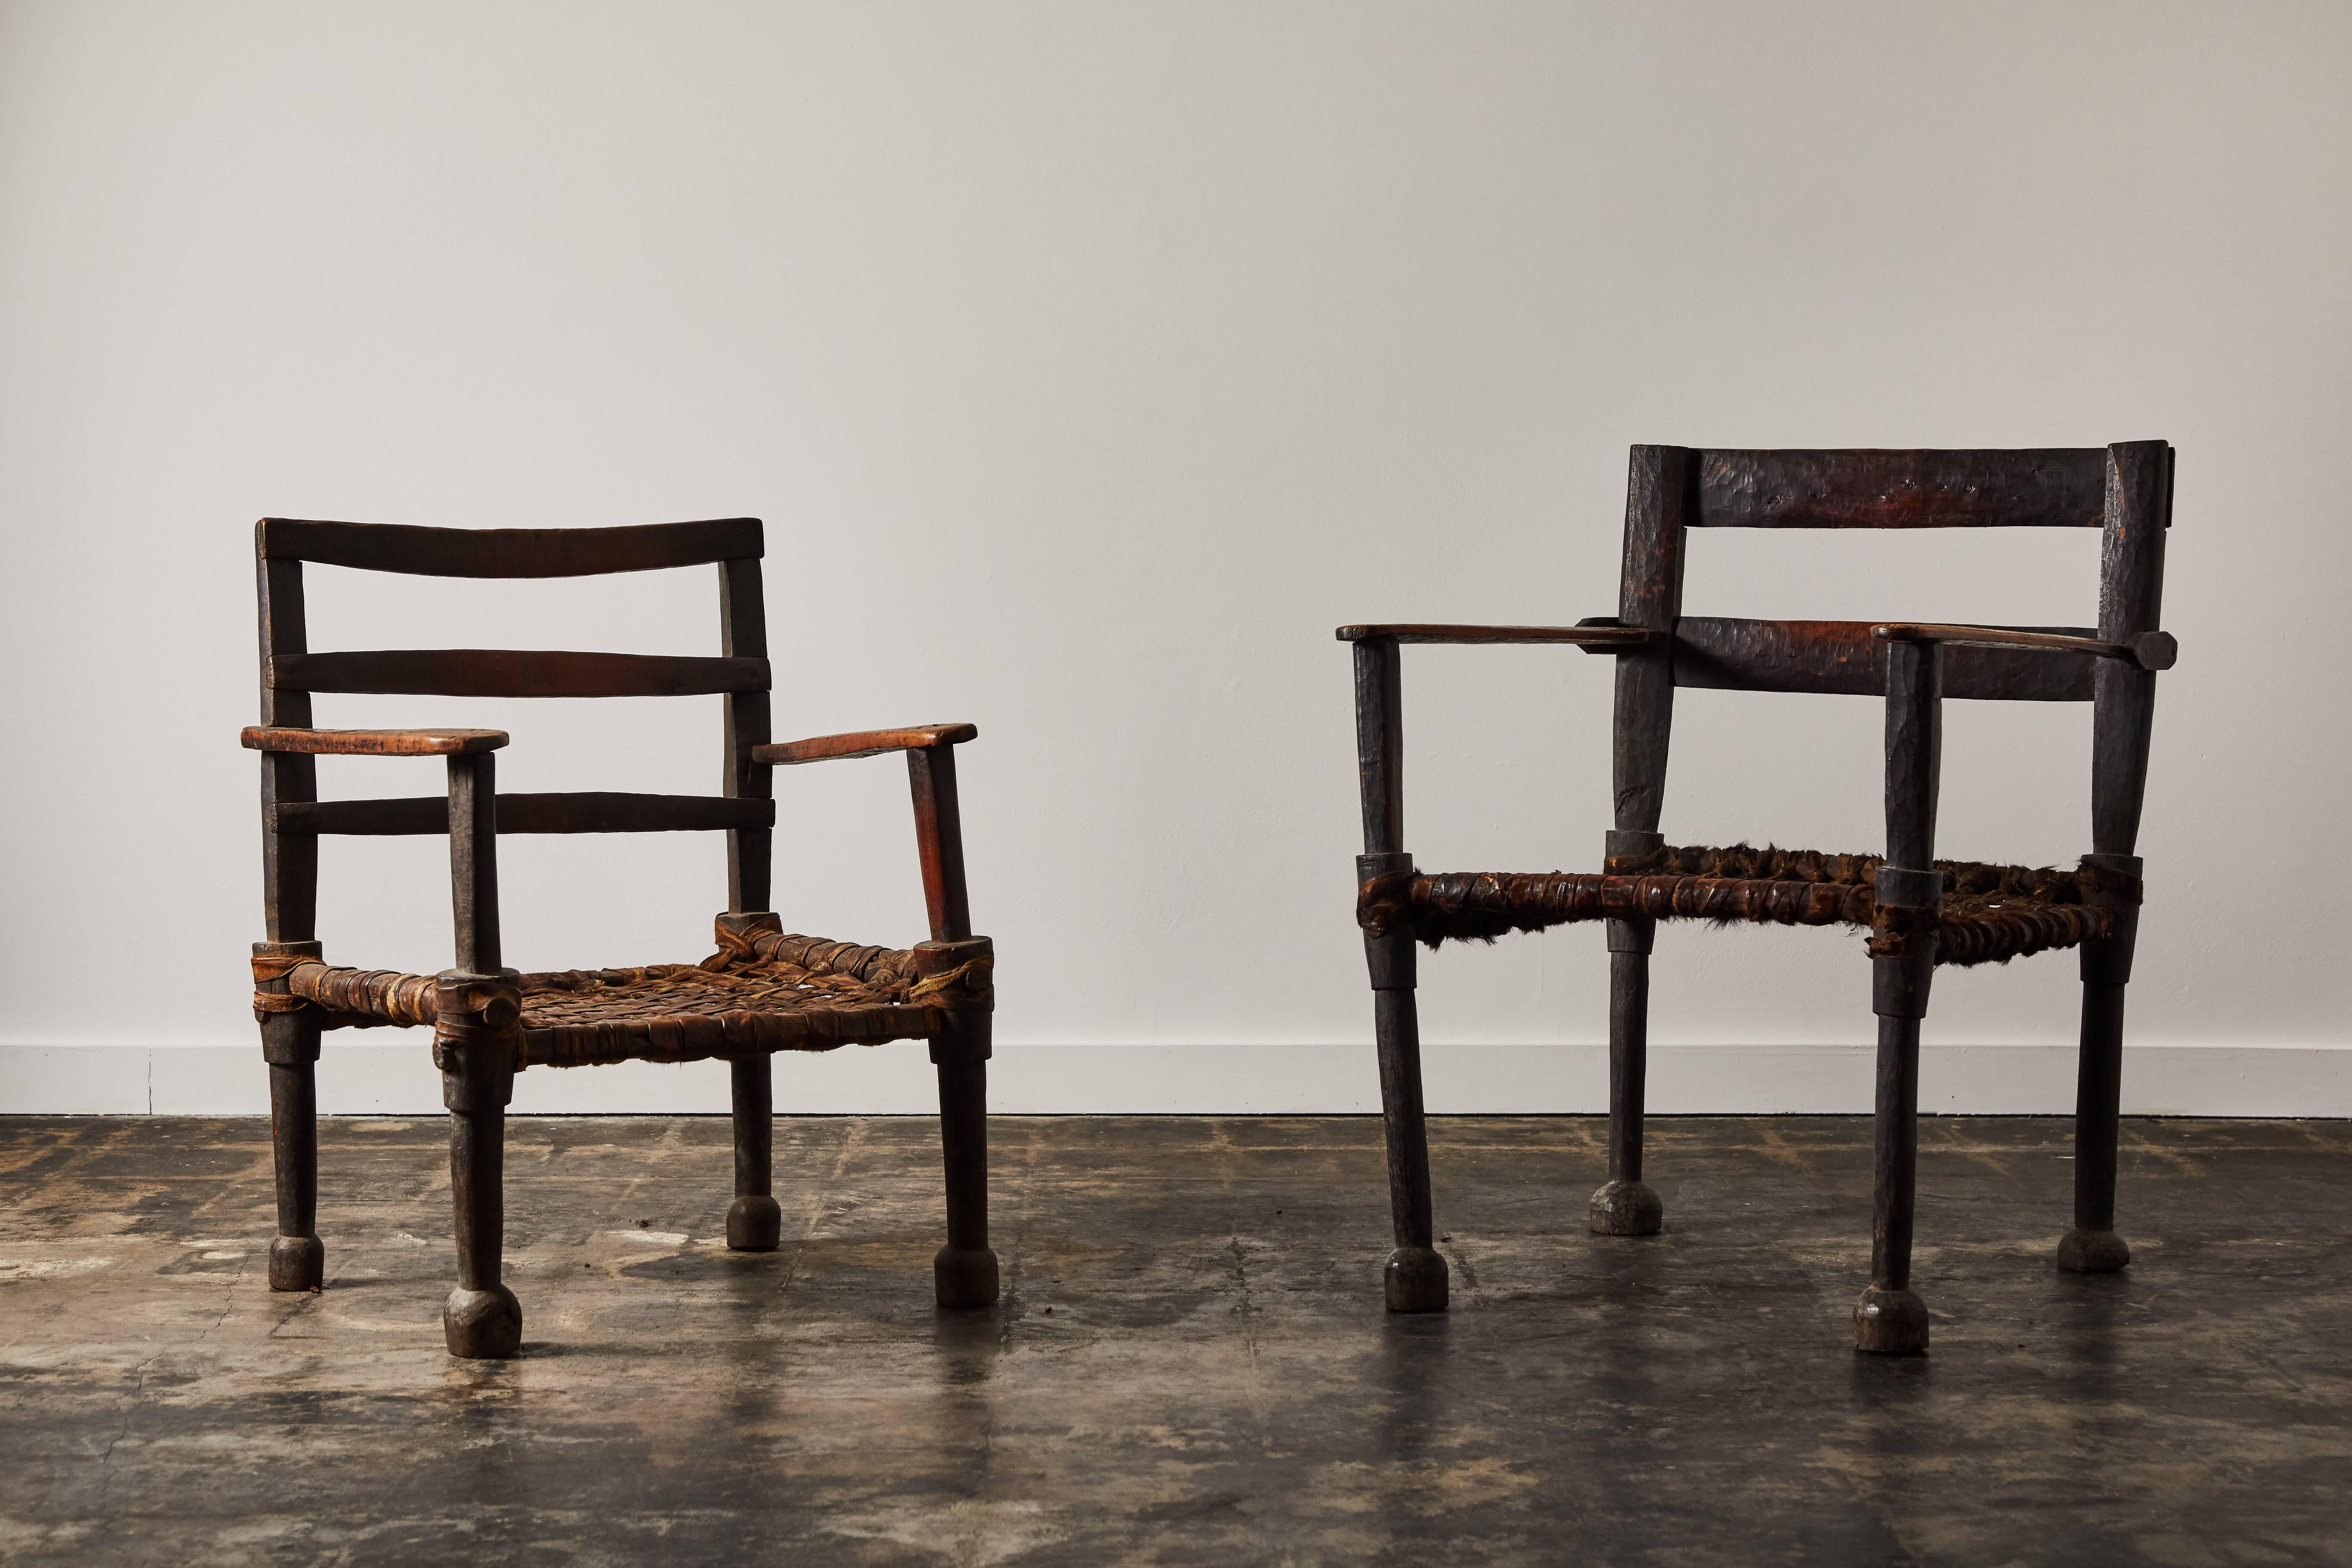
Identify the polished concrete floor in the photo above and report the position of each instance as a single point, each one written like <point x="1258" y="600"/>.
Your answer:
<point x="1189" y="1366"/>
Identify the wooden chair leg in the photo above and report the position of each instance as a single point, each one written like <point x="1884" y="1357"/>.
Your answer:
<point x="2092" y="1245"/>
<point x="1891" y="1319"/>
<point x="964" y="1272"/>
<point x="473" y="1041"/>
<point x="1625" y="1206"/>
<point x="754" y="1221"/>
<point x="1416" y="1279"/>
<point x="298" y="1259"/>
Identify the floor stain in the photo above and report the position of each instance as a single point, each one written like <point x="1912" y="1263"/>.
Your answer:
<point x="1191" y="1364"/>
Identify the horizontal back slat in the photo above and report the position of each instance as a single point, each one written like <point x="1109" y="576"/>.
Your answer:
<point x="495" y="672"/>
<point x="1842" y="657"/>
<point x="509" y="552"/>
<point x="2054" y="487"/>
<point x="579" y="812"/>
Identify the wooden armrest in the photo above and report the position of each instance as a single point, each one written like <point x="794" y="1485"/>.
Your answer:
<point x="865" y="743"/>
<point x="1589" y="636"/>
<point x="2147" y="650"/>
<point x="374" y="742"/>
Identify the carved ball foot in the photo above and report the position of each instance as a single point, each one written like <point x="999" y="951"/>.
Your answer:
<point x="1890" y="1322"/>
<point x="2084" y="1251"/>
<point x="1417" y="1280"/>
<point x="298" y="1263"/>
<point x="965" y="1277"/>
<point x="754" y="1223"/>
<point x="1626" y="1208"/>
<point x="483" y="1325"/>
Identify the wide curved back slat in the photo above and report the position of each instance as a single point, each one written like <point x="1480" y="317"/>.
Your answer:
<point x="509" y="552"/>
<point x="2050" y="487"/>
<point x="1842" y="657"/>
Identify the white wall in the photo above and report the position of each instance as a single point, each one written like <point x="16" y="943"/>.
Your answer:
<point x="1088" y="365"/>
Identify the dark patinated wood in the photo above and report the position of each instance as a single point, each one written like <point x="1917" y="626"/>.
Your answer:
<point x="297" y="1256"/>
<point x="2147" y="650"/>
<point x="939" y="839"/>
<point x="371" y="742"/>
<point x="2139" y="514"/>
<point x="473" y="819"/>
<point x="476" y="1008"/>
<point x="289" y="1044"/>
<point x="1913" y="666"/>
<point x="509" y="551"/>
<point x="743" y="634"/>
<point x="964" y="1271"/>
<point x="2090" y="1245"/>
<point x="289" y="866"/>
<point x="476" y="1028"/>
<point x="518" y="672"/>
<point x="1581" y="635"/>
<point x="1658" y="494"/>
<point x="2046" y="488"/>
<point x="1844" y="657"/>
<point x="1890" y="1318"/>
<point x="1416" y="1279"/>
<point x="1657" y="511"/>
<point x="577" y="811"/>
<point x="1629" y="1022"/>
<point x="290" y="897"/>
<point x="866" y="743"/>
<point x="1380" y="744"/>
<point x="754" y="1221"/>
<point x="1915" y="732"/>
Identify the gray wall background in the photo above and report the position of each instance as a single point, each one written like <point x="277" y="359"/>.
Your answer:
<point x="1088" y="365"/>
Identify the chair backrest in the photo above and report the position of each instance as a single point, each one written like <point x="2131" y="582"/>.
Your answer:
<point x="2126" y="489"/>
<point x="292" y="815"/>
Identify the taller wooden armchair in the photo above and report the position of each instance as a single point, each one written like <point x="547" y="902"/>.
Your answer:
<point x="1920" y="911"/>
<point x="763" y="990"/>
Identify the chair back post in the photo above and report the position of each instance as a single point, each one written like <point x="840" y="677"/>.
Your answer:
<point x="2131" y="592"/>
<point x="289" y="861"/>
<point x="743" y="634"/>
<point x="1658" y="502"/>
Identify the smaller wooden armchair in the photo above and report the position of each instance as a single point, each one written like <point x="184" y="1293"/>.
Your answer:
<point x="1920" y="911"/>
<point x="763" y="990"/>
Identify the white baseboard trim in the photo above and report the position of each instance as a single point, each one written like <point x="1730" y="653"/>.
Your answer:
<point x="395" y="1078"/>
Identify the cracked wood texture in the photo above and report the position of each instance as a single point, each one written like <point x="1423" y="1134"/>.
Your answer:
<point x="1190" y="1363"/>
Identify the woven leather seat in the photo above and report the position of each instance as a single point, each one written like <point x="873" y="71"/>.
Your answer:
<point x="1988" y="914"/>
<point x="763" y="991"/>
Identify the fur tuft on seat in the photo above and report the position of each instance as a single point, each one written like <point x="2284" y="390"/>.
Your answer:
<point x="1988" y="913"/>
